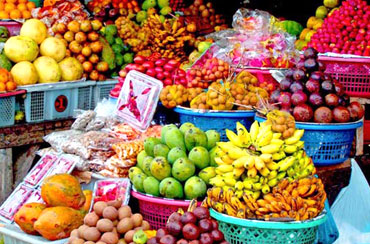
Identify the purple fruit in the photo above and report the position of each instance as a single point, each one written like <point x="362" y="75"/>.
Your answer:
<point x="322" y="66"/>
<point x="296" y="86"/>
<point x="339" y="88"/>
<point x="299" y="97"/>
<point x="302" y="113"/>
<point x="300" y="64"/>
<point x="310" y="65"/>
<point x="285" y="99"/>
<point x="274" y="97"/>
<point x="317" y="75"/>
<point x="289" y="73"/>
<point x="327" y="86"/>
<point x="310" y="53"/>
<point x="298" y="74"/>
<point x="313" y="86"/>
<point x="316" y="99"/>
<point x="285" y="84"/>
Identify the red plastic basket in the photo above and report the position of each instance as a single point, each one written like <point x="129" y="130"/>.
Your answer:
<point x="353" y="73"/>
<point x="156" y="210"/>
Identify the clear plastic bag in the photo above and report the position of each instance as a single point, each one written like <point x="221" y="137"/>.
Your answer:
<point x="83" y="119"/>
<point x="59" y="138"/>
<point x="96" y="124"/>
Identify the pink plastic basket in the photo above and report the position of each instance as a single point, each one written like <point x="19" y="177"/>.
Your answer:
<point x="13" y="27"/>
<point x="156" y="210"/>
<point x="353" y="73"/>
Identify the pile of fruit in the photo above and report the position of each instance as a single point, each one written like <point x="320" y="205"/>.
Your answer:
<point x="169" y="166"/>
<point x="192" y="227"/>
<point x="63" y="210"/>
<point x="204" y="17"/>
<point x="51" y="66"/>
<point x="311" y="95"/>
<point x="16" y="9"/>
<point x="87" y="46"/>
<point x="346" y="30"/>
<point x="111" y="223"/>
<point x="151" y="6"/>
<point x="110" y="9"/>
<point x="6" y="81"/>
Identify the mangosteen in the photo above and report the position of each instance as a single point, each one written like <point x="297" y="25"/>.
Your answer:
<point x="332" y="100"/>
<point x="317" y="75"/>
<point x="316" y="99"/>
<point x="312" y="86"/>
<point x="339" y="88"/>
<point x="327" y="86"/>
<point x="113" y="12"/>
<point x="322" y="66"/>
<point x="274" y="97"/>
<point x="310" y="64"/>
<point x="285" y="84"/>
<point x="298" y="97"/>
<point x="310" y="53"/>
<point x="296" y="86"/>
<point x="300" y="65"/>
<point x="298" y="74"/>
<point x="289" y="73"/>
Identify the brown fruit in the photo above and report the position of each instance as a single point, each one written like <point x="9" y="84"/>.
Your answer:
<point x="125" y="225"/>
<point x="78" y="241"/>
<point x="96" y="46"/>
<point x="124" y="212"/>
<point x="137" y="219"/>
<point x="129" y="236"/>
<point x="105" y="225"/>
<point x="94" y="58"/>
<point x="145" y="225"/>
<point x="99" y="207"/>
<point x="93" y="36"/>
<point x="109" y="238"/>
<point x="69" y="36"/>
<point x="81" y="230"/>
<point x="81" y="58"/>
<point x="85" y="26"/>
<point x="102" y="67"/>
<point x="92" y="234"/>
<point x="74" y="26"/>
<point x="80" y="37"/>
<point x="75" y="47"/>
<point x="110" y="213"/>
<point x="91" y="219"/>
<point x="117" y="203"/>
<point x="87" y="66"/>
<point x="61" y="28"/>
<point x="86" y="51"/>
<point x="94" y="75"/>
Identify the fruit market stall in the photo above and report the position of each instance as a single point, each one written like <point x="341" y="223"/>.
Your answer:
<point x="159" y="122"/>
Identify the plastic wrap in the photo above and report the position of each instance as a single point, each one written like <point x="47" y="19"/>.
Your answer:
<point x="113" y="189"/>
<point x="59" y="138"/>
<point x="83" y="119"/>
<point x="96" y="123"/>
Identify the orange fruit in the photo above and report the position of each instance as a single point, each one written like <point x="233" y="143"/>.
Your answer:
<point x="26" y="14"/>
<point x="11" y="86"/>
<point x="9" y="7"/>
<point x="2" y="6"/>
<point x="11" y="1"/>
<point x="4" y="14"/>
<point x="4" y="75"/>
<point x="31" y="5"/>
<point x="15" y="14"/>
<point x="21" y="7"/>
<point x="22" y="1"/>
<point x="2" y="87"/>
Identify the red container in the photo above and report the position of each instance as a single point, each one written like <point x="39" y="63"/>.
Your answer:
<point x="14" y="27"/>
<point x="367" y="131"/>
<point x="353" y="73"/>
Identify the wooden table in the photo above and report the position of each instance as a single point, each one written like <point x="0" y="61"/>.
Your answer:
<point x="18" y="146"/>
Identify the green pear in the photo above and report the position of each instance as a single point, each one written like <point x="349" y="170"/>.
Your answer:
<point x="160" y="168"/>
<point x="149" y="144"/>
<point x="140" y="157"/>
<point x="151" y="186"/>
<point x="183" y="169"/>
<point x="174" y="138"/>
<point x="161" y="150"/>
<point x="195" y="188"/>
<point x="171" y="188"/>
<point x="175" y="153"/>
<point x="212" y="138"/>
<point x="133" y="171"/>
<point x="164" y="131"/>
<point x="185" y="127"/>
<point x="207" y="173"/>
<point x="138" y="181"/>
<point x="212" y="155"/>
<point x="146" y="165"/>
<point x="200" y="157"/>
<point x="195" y="137"/>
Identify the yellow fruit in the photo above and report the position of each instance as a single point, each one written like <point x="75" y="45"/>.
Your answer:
<point x="54" y="48"/>
<point x="21" y="48"/>
<point x="330" y="3"/>
<point x="24" y="73"/>
<point x="47" y="69"/>
<point x="34" y="29"/>
<point x="71" y="69"/>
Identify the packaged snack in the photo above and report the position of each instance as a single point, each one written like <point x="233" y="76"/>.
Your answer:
<point x="96" y="123"/>
<point x="39" y="171"/>
<point x="59" y="138"/>
<point x="14" y="202"/>
<point x="113" y="189"/>
<point x="83" y="118"/>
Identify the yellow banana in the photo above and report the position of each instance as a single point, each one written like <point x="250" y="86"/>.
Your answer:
<point x="237" y="172"/>
<point x="236" y="153"/>
<point x="226" y="159"/>
<point x="225" y="146"/>
<point x="243" y="134"/>
<point x="254" y="130"/>
<point x="273" y="174"/>
<point x="290" y="171"/>
<point x="266" y="157"/>
<point x="254" y="179"/>
<point x="273" y="182"/>
<point x="230" y="181"/>
<point x="300" y="144"/>
<point x="276" y="136"/>
<point x="264" y="172"/>
<point x="219" y="161"/>
<point x="239" y="163"/>
<point x="233" y="138"/>
<point x="277" y="142"/>
<point x="239" y="185"/>
<point x="256" y="186"/>
<point x="272" y="166"/>
<point x="278" y="156"/>
<point x="228" y="174"/>
<point x="248" y="185"/>
<point x="264" y="139"/>
<point x="252" y="172"/>
<point x="217" y="182"/>
<point x="270" y="149"/>
<point x="265" y="189"/>
<point x="290" y="149"/>
<point x="286" y="163"/>
<point x="297" y="135"/>
<point x="225" y="168"/>
<point x="238" y="194"/>
<point x="249" y="162"/>
<point x="258" y="163"/>
<point x="256" y="195"/>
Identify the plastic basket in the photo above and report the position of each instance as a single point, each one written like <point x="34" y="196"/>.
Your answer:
<point x="156" y="210"/>
<point x="242" y="231"/>
<point x="102" y="90"/>
<point x="7" y="107"/>
<point x="13" y="27"/>
<point x="215" y="120"/>
<point x="57" y="100"/>
<point x="327" y="144"/>
<point x="353" y="73"/>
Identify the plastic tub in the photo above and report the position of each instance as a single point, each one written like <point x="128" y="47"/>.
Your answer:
<point x="242" y="231"/>
<point x="156" y="210"/>
<point x="215" y="120"/>
<point x="353" y="73"/>
<point x="327" y="144"/>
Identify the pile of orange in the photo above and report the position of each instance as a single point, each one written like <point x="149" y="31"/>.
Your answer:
<point x="6" y="81"/>
<point x="16" y="9"/>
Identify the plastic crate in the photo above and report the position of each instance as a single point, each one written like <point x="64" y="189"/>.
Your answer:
<point x="57" y="100"/>
<point x="7" y="107"/>
<point x="242" y="231"/>
<point x="13" y="27"/>
<point x="156" y="210"/>
<point x="215" y="120"/>
<point x="102" y="90"/>
<point x="353" y="73"/>
<point x="327" y="144"/>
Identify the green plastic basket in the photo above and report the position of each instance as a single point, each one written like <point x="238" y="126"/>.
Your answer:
<point x="243" y="231"/>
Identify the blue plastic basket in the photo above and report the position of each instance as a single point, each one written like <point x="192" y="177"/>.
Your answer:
<point x="242" y="231"/>
<point x="215" y="120"/>
<point x="102" y="90"/>
<point x="7" y="110"/>
<point x="327" y="144"/>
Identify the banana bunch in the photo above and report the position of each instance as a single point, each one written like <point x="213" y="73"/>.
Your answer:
<point x="299" y="200"/>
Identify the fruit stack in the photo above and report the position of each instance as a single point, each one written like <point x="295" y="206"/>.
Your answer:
<point x="346" y="30"/>
<point x="16" y="9"/>
<point x="6" y="81"/>
<point x="87" y="46"/>
<point x="196" y="227"/>
<point x="311" y="95"/>
<point x="168" y="166"/>
<point x="110" y="9"/>
<point x="111" y="223"/>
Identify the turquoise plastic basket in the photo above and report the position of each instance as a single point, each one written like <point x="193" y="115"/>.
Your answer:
<point x="327" y="144"/>
<point x="243" y="231"/>
<point x="215" y="120"/>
